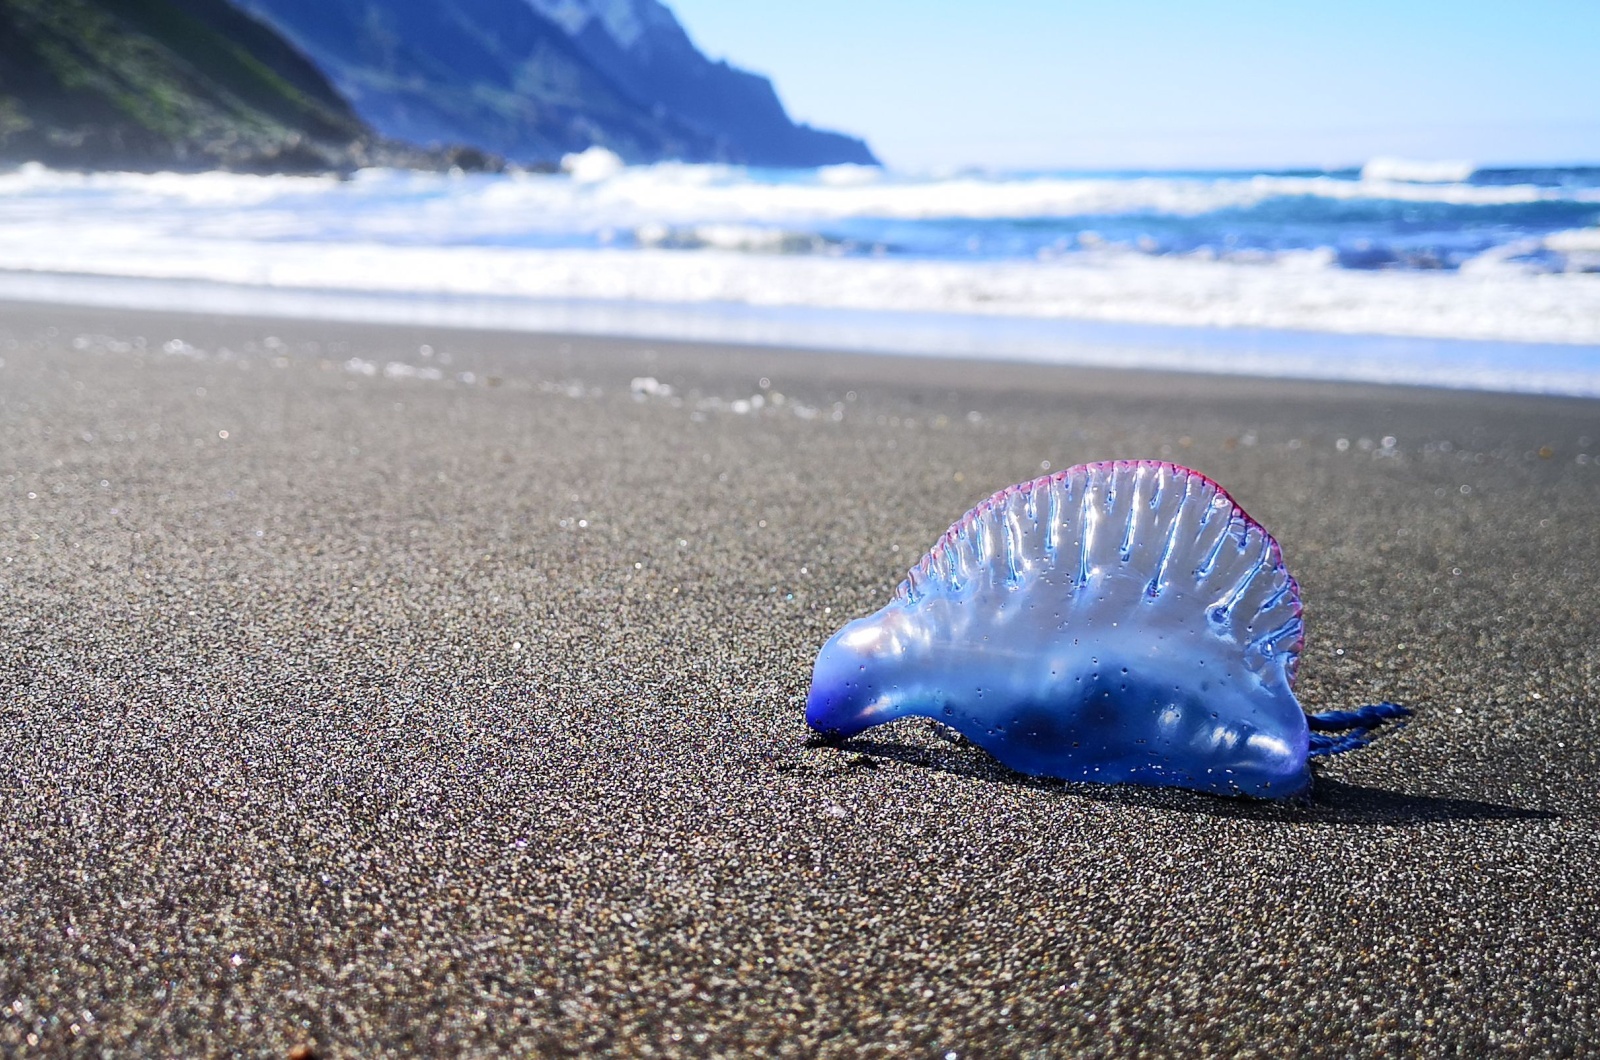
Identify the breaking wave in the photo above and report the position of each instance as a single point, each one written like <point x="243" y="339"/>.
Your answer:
<point x="1510" y="255"/>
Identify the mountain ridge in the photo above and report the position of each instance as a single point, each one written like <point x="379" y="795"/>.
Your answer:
<point x="536" y="79"/>
<point x="643" y="47"/>
<point x="335" y="85"/>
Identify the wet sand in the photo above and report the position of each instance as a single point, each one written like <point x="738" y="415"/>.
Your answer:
<point x="348" y="707"/>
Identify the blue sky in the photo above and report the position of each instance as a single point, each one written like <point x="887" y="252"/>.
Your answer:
<point x="1161" y="83"/>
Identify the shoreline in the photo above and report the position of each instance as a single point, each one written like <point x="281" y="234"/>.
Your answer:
<point x="458" y="707"/>
<point x="1484" y="365"/>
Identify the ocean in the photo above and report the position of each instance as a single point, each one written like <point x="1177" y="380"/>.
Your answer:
<point x="1435" y="274"/>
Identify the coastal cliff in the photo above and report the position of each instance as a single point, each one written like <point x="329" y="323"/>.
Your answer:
<point x="288" y="86"/>
<point x="183" y="84"/>
<point x="535" y="79"/>
<point x="641" y="46"/>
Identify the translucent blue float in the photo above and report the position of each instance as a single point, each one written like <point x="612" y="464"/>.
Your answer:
<point x="1121" y="622"/>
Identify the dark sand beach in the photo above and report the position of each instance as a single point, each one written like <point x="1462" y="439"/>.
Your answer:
<point x="393" y="715"/>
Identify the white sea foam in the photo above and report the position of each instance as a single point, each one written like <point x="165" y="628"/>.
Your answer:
<point x="592" y="165"/>
<point x="848" y="175"/>
<point x="1557" y="370"/>
<point x="485" y="244"/>
<point x="1422" y="172"/>
<point x="1499" y="304"/>
<point x="440" y="207"/>
<point x="1574" y="240"/>
<point x="682" y="192"/>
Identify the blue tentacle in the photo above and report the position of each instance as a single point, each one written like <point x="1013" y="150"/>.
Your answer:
<point x="1337" y="731"/>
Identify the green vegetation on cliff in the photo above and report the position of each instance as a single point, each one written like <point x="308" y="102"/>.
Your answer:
<point x="189" y="84"/>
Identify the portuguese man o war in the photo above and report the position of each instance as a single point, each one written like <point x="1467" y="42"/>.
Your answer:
<point x="1118" y="622"/>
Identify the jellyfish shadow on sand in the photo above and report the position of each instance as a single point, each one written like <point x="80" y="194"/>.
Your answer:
<point x="1331" y="802"/>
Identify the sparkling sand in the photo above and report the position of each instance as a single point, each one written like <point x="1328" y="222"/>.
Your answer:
<point x="392" y="702"/>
